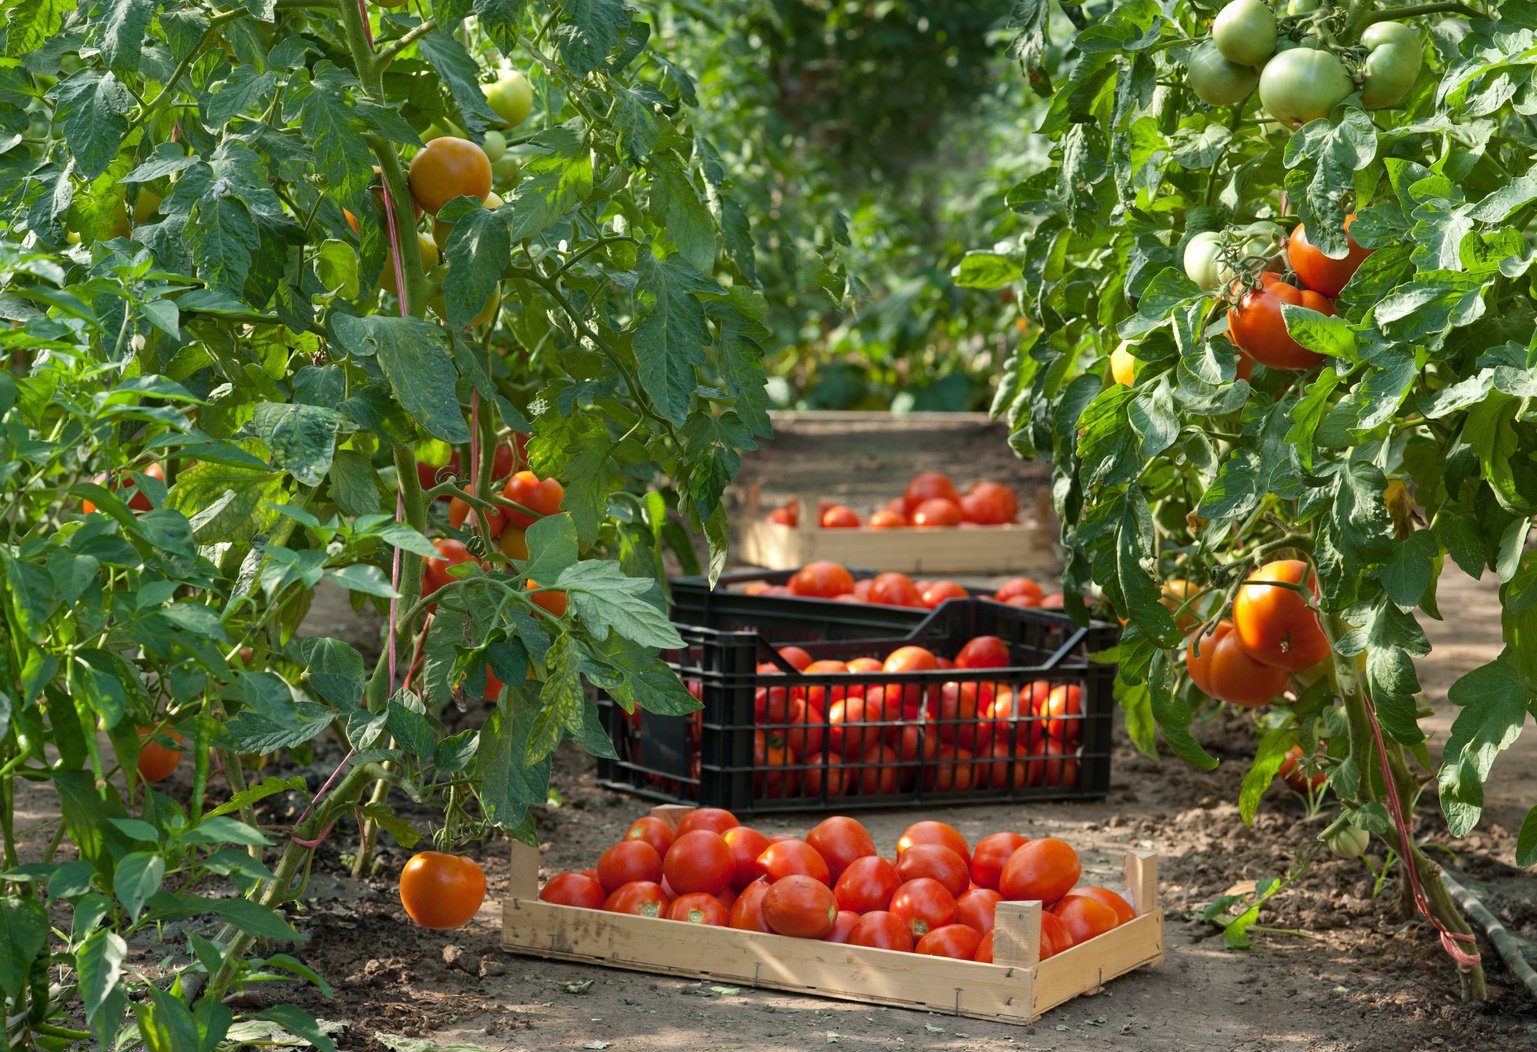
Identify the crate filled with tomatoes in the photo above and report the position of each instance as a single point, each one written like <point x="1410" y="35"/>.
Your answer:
<point x="931" y="527"/>
<point x="980" y="701"/>
<point x="1005" y="929"/>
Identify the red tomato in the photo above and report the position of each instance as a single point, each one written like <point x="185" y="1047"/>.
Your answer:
<point x="955" y="773"/>
<point x="1003" y="765"/>
<point x="1106" y="897"/>
<point x="882" y="931"/>
<point x="540" y="497"/>
<point x="1053" y="764"/>
<point x="459" y="512"/>
<point x="991" y="852"/>
<point x="821" y="580"/>
<point x="840" y="841"/>
<point x="867" y="884"/>
<point x="435" y="571"/>
<point x="923" y="905"/>
<point x="1293" y="772"/>
<point x="850" y="732"/>
<point x="784" y="517"/>
<point x="1055" y="938"/>
<point x="908" y="659"/>
<point x="878" y="771"/>
<point x="1019" y="586"/>
<point x="918" y="749"/>
<point x="886" y="519"/>
<point x="747" y="911"/>
<point x="840" y="517"/>
<point x="1255" y="323"/>
<point x="937" y="513"/>
<point x="1062" y="713"/>
<point x="1324" y="274"/>
<point x="773" y="774"/>
<point x="956" y="713"/>
<point x="818" y="694"/>
<point x="983" y="652"/>
<point x="938" y="591"/>
<point x="981" y="510"/>
<point x="977" y="908"/>
<point x="1221" y="667"/>
<point x="1274" y="623"/>
<point x="629" y="861"/>
<point x="862" y="665"/>
<point x="930" y="485"/>
<point x="715" y="819"/>
<point x="573" y="889"/>
<point x="797" y="657"/>
<point x="984" y="954"/>
<point x="698" y="908"/>
<point x="653" y="831"/>
<point x="807" y="731"/>
<point x="801" y="907"/>
<point x="953" y="940"/>
<point x="699" y="861"/>
<point x="644" y="898"/>
<point x="1001" y="495"/>
<point x="932" y="832"/>
<point x="746" y="845"/>
<point x="937" y="862"/>
<point x="1084" y="918"/>
<point x="843" y="927"/>
<point x="1044" y="869"/>
<point x="894" y="589"/>
<point x="828" y="766"/>
<point x="794" y="857"/>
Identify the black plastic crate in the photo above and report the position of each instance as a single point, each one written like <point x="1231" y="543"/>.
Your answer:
<point x="935" y="741"/>
<point x="789" y="619"/>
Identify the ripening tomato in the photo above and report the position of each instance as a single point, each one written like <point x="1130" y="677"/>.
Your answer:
<point x="512" y="542"/>
<point x="840" y="841"/>
<point x="983" y="652"/>
<point x="1323" y="274"/>
<point x="867" y="884"/>
<point x="878" y="770"/>
<point x="1274" y="622"/>
<point x="573" y="889"/>
<point x="1055" y="938"/>
<point x="653" y="831"/>
<point x="957" y="941"/>
<point x="936" y="513"/>
<point x="747" y="911"/>
<point x="629" y="861"/>
<point x="550" y="600"/>
<point x="699" y="860"/>
<point x="882" y="930"/>
<point x="1256" y="325"/>
<point x="821" y="580"/>
<point x="156" y="760"/>
<point x="715" y="819"/>
<point x="139" y="501"/>
<point x="936" y="592"/>
<point x="441" y="891"/>
<point x="774" y="776"/>
<point x="929" y="831"/>
<point x="511" y="98"/>
<point x="977" y="908"/>
<point x="930" y="485"/>
<point x="955" y="773"/>
<point x="459" y="512"/>
<point x="1062" y="713"/>
<point x="800" y="906"/>
<point x="843" y="927"/>
<point x="825" y="775"/>
<point x="1044" y="869"/>
<point x="840" y="517"/>
<point x="447" y="168"/>
<point x="923" y="905"/>
<point x="894" y="589"/>
<point x="435" y="571"/>
<point x="887" y="519"/>
<point x="698" y="908"/>
<point x="792" y="857"/>
<point x="642" y="898"/>
<point x="1117" y="903"/>
<point x="1222" y="668"/>
<point x="1084" y="917"/>
<point x="1019" y="586"/>
<point x="991" y="852"/>
<point x="538" y="497"/>
<point x="1294" y="772"/>
<point x="937" y="862"/>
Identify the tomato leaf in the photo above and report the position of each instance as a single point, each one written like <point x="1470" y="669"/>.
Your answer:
<point x="678" y="210"/>
<point x="477" y="250"/>
<point x="1268" y="756"/>
<point x="1494" y="699"/>
<point x="507" y="785"/>
<point x="1526" y="841"/>
<point x="461" y="74"/>
<point x="606" y="599"/>
<point x="407" y="722"/>
<point x="590" y="30"/>
<point x="23" y="935"/>
<point x="91" y="108"/>
<point x="335" y="670"/>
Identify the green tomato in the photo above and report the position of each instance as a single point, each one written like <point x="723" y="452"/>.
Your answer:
<point x="511" y="98"/>
<point x="1302" y="7"/>
<point x="1349" y="842"/>
<point x="487" y="311"/>
<point x="1302" y="85"/>
<point x="1245" y="32"/>
<point x="506" y="171"/>
<point x="1256" y="247"/>
<point x="495" y="145"/>
<point x="1392" y="63"/>
<point x="1216" y="80"/>
<point x="1201" y="254"/>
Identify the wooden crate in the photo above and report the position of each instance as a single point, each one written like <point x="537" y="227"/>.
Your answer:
<point x="1016" y="988"/>
<point x="981" y="549"/>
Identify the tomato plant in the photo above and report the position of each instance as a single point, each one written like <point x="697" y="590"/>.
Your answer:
<point x="1381" y="446"/>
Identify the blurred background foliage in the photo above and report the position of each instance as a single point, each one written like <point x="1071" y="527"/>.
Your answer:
<point x="869" y="139"/>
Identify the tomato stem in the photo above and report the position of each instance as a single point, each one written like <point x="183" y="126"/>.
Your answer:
<point x="395" y="47"/>
<point x="1398" y="14"/>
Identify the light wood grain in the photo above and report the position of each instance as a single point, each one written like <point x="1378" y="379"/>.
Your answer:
<point x="985" y="549"/>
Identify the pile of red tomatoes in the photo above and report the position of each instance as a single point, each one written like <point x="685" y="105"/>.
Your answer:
<point x="931" y="500"/>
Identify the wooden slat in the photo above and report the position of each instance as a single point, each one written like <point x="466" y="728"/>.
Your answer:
<point x="988" y="549"/>
<point x="523" y="877"/>
<point x="1088" y="966"/>
<point x="1142" y="880"/>
<point x="1017" y="934"/>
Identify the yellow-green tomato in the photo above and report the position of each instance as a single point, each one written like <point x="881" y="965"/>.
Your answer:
<point x="511" y="98"/>
<point x="1303" y="84"/>
<point x="1392" y="63"/>
<point x="1349" y="842"/>
<point x="495" y="145"/>
<point x="506" y="172"/>
<point x="1245" y="32"/>
<point x="1218" y="81"/>
<point x="1201" y="254"/>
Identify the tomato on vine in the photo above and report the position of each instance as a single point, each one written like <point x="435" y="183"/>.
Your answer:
<point x="1217" y="79"/>
<point x="1303" y="84"/>
<point x="1258" y="327"/>
<point x="1273" y="619"/>
<point x="1393" y="60"/>
<point x="1323" y="274"/>
<point x="1220" y="666"/>
<point x="441" y="891"/>
<point x="1244" y="31"/>
<point x="446" y="168"/>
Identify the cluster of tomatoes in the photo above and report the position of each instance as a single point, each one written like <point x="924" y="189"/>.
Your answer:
<point x="824" y="579"/>
<point x="828" y="738"/>
<point x="1301" y="70"/>
<point x="930" y="500"/>
<point x="501" y="524"/>
<point x="938" y="896"/>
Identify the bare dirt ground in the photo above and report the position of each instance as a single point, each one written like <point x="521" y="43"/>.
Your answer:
<point x="1334" y="970"/>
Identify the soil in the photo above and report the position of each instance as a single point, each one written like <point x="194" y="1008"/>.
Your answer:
<point x="1333" y="968"/>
